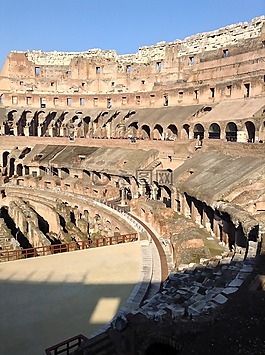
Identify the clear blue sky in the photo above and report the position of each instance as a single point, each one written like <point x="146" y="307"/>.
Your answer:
<point x="123" y="25"/>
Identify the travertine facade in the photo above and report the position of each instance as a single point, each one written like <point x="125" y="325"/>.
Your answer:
<point x="102" y="94"/>
<point x="146" y="132"/>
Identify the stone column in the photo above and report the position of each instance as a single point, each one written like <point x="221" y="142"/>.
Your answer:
<point x="154" y="192"/>
<point x="206" y="221"/>
<point x="142" y="188"/>
<point x="123" y="196"/>
<point x="184" y="206"/>
<point x="26" y="130"/>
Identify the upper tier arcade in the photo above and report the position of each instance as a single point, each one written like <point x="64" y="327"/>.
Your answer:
<point x="224" y="64"/>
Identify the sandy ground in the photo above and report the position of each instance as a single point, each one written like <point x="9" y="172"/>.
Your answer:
<point x="48" y="299"/>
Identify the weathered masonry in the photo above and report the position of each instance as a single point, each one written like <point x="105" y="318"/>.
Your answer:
<point x="209" y="85"/>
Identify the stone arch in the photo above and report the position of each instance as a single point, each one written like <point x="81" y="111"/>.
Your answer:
<point x="251" y="129"/>
<point x="133" y="129"/>
<point x="158" y="132"/>
<point x="185" y="132"/>
<point x="19" y="170"/>
<point x="24" y="152"/>
<point x="120" y="131"/>
<point x="65" y="172"/>
<point x="198" y="131"/>
<point x="214" y="131"/>
<point x="33" y="125"/>
<point x="86" y="173"/>
<point x="145" y="132"/>
<point x="9" y="124"/>
<point x="21" y="123"/>
<point x="172" y="131"/>
<point x="5" y="158"/>
<point x="166" y="195"/>
<point x="231" y="132"/>
<point x="11" y="166"/>
<point x="87" y="125"/>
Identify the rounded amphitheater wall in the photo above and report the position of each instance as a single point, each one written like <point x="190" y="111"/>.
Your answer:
<point x="47" y="201"/>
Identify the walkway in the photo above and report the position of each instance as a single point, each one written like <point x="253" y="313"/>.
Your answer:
<point x="48" y="299"/>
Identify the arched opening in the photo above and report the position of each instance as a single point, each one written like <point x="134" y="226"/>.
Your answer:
<point x="86" y="174"/>
<point x="26" y="169"/>
<point x="5" y="155"/>
<point x="145" y="132"/>
<point x="44" y="129"/>
<point x="19" y="170"/>
<point x="186" y="131"/>
<point x="54" y="171"/>
<point x="120" y="131"/>
<point x="198" y="131"/>
<point x="86" y="121"/>
<point x="133" y="129"/>
<point x="158" y="132"/>
<point x="172" y="132"/>
<point x="231" y="132"/>
<point x="214" y="131"/>
<point x="9" y="124"/>
<point x="251" y="131"/>
<point x="24" y="152"/>
<point x="64" y="173"/>
<point x="12" y="167"/>
<point x="166" y="195"/>
<point x="33" y="127"/>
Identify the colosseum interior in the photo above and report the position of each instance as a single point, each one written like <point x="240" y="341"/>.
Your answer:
<point x="163" y="148"/>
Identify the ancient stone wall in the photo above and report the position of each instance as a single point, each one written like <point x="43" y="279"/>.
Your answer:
<point x="199" y="69"/>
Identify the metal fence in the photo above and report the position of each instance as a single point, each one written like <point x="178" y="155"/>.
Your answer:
<point x="9" y="255"/>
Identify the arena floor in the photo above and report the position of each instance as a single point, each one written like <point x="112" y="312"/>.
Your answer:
<point x="48" y="299"/>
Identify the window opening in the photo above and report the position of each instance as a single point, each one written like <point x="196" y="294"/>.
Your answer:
<point x="37" y="70"/>
<point x="97" y="70"/>
<point x="152" y="99"/>
<point x="228" y="90"/>
<point x="159" y="66"/>
<point x="69" y="101"/>
<point x="82" y="101"/>
<point x="212" y="92"/>
<point x="109" y="103"/>
<point x="247" y="90"/>
<point x="165" y="100"/>
<point x="14" y="100"/>
<point x="225" y="53"/>
<point x="191" y="60"/>
<point x="42" y="102"/>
